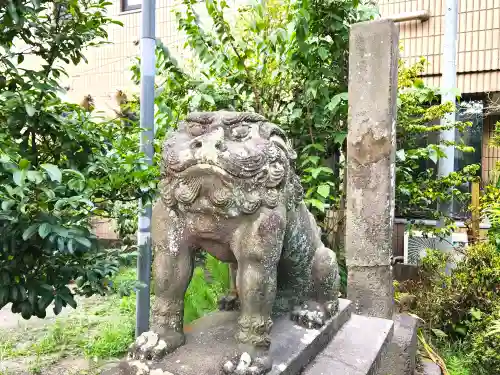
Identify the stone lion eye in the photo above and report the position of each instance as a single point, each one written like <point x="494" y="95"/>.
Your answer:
<point x="240" y="131"/>
<point x="197" y="130"/>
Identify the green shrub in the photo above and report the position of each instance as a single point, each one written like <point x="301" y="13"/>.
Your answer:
<point x="462" y="307"/>
<point x="484" y="353"/>
<point x="448" y="301"/>
<point x="490" y="206"/>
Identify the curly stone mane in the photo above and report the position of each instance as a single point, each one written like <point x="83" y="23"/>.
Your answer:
<point x="228" y="163"/>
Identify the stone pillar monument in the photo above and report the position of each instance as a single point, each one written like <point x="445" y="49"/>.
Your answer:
<point x="373" y="65"/>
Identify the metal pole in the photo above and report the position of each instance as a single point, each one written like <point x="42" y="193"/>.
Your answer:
<point x="447" y="165"/>
<point x="148" y="43"/>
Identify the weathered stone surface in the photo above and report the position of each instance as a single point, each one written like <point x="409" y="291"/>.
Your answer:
<point x="400" y="356"/>
<point x="373" y="62"/>
<point x="356" y="349"/>
<point x="210" y="342"/>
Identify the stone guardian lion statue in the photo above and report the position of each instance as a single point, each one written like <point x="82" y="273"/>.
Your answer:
<point x="228" y="186"/>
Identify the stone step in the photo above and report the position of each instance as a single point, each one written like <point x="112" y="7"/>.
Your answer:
<point x="356" y="349"/>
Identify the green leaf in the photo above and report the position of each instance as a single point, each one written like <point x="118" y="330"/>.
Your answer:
<point x="323" y="53"/>
<point x="400" y="154"/>
<point x="340" y="137"/>
<point x="26" y="310"/>
<point x="433" y="155"/>
<point x="35" y="176"/>
<point x="13" y="12"/>
<point x="84" y="241"/>
<point x="19" y="177"/>
<point x="439" y="333"/>
<point x="53" y="171"/>
<point x="460" y="330"/>
<point x="70" y="246"/>
<point x="476" y="314"/>
<point x="60" y="244"/>
<point x="323" y="190"/>
<point x="4" y="296"/>
<point x="30" y="110"/>
<point x="336" y="100"/>
<point x="66" y="295"/>
<point x="30" y="231"/>
<point x="7" y="205"/>
<point x="44" y="230"/>
<point x="317" y="204"/>
<point x="208" y="99"/>
<point x="49" y="193"/>
<point x="58" y="304"/>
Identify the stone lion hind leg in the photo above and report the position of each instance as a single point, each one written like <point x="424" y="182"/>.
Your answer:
<point x="323" y="297"/>
<point x="326" y="279"/>
<point x="173" y="269"/>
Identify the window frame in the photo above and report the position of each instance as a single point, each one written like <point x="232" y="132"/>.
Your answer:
<point x="125" y="7"/>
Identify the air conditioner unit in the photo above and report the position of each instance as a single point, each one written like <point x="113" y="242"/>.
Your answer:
<point x="416" y="244"/>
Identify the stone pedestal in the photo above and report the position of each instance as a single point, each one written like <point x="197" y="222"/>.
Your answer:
<point x="210" y="343"/>
<point x="402" y="350"/>
<point x="373" y="64"/>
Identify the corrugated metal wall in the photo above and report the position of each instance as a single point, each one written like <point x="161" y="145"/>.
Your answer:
<point x="478" y="60"/>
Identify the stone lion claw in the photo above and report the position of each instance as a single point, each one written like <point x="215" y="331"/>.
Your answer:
<point x="139" y="368"/>
<point x="150" y="346"/>
<point x="244" y="365"/>
<point x="313" y="315"/>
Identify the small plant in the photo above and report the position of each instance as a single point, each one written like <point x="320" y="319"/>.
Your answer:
<point x="35" y="367"/>
<point x="462" y="306"/>
<point x="484" y="353"/>
<point x="490" y="207"/>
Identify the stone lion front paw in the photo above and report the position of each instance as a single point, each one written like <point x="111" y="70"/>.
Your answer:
<point x="245" y="365"/>
<point x="139" y="368"/>
<point x="230" y="302"/>
<point x="150" y="346"/>
<point x="311" y="314"/>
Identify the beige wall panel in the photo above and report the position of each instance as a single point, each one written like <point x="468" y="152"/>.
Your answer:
<point x="478" y="48"/>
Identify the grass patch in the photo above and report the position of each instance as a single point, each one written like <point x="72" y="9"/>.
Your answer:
<point x="455" y="358"/>
<point x="103" y="327"/>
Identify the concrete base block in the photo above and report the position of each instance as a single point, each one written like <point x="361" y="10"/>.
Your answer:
<point x="357" y="349"/>
<point x="370" y="289"/>
<point x="210" y="343"/>
<point x="400" y="356"/>
<point x="429" y="368"/>
<point x="403" y="272"/>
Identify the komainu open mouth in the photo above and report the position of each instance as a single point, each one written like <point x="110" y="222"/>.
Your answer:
<point x="203" y="169"/>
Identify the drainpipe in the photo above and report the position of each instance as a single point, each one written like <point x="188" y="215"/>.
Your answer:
<point x="421" y="15"/>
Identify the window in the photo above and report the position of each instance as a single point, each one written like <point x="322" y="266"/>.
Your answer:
<point x="130" y="5"/>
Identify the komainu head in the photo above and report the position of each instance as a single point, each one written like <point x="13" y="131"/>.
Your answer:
<point x="228" y="163"/>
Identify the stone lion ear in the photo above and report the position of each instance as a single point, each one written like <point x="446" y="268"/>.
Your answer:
<point x="284" y="145"/>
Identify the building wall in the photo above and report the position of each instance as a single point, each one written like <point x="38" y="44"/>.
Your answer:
<point x="108" y="67"/>
<point x="478" y="59"/>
